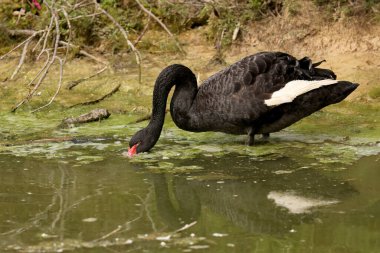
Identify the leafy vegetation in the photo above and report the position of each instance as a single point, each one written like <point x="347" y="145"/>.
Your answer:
<point x="221" y="17"/>
<point x="349" y="8"/>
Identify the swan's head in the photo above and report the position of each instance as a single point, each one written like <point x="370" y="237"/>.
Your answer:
<point x="142" y="141"/>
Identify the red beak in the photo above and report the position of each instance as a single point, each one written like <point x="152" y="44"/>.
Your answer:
<point x="132" y="151"/>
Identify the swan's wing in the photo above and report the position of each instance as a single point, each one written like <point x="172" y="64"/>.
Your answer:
<point x="241" y="93"/>
<point x="251" y="71"/>
<point x="237" y="93"/>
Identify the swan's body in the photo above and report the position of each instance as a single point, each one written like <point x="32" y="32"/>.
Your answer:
<point x="260" y="94"/>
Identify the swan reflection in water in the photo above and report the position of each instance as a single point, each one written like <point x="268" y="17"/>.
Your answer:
<point x="256" y="201"/>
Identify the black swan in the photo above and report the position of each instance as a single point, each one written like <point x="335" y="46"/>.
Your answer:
<point x="260" y="94"/>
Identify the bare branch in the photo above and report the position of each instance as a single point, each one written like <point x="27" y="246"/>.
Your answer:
<point x="21" y="44"/>
<point x="116" y="89"/>
<point x="125" y="34"/>
<point x="155" y="18"/>
<point x="50" y="63"/>
<point x="49" y="45"/>
<point x="21" y="32"/>
<point x="82" y="52"/>
<point x="22" y="59"/>
<point x="82" y="4"/>
<point x="161" y="24"/>
<point x="42" y="69"/>
<point x="48" y="29"/>
<point x="92" y="57"/>
<point x="40" y="40"/>
<point x="142" y="33"/>
<point x="66" y="15"/>
<point x="86" y="16"/>
<point x="61" y="62"/>
<point x="73" y="84"/>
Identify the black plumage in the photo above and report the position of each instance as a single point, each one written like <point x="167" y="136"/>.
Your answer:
<point x="233" y="100"/>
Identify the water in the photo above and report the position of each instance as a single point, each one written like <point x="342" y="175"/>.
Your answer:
<point x="291" y="194"/>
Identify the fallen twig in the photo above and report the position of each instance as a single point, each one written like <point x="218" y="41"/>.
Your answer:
<point x="142" y="33"/>
<point x="21" y="44"/>
<point x="125" y="34"/>
<point x="86" y="16"/>
<point x="66" y="15"/>
<point x="186" y="227"/>
<point x="48" y="30"/>
<point x="39" y="41"/>
<point x="49" y="64"/>
<point x="55" y="36"/>
<point x="21" y="32"/>
<point x="22" y="59"/>
<point x="82" y="52"/>
<point x="161" y="24"/>
<point x="99" y="99"/>
<point x="73" y="84"/>
<point x="59" y="86"/>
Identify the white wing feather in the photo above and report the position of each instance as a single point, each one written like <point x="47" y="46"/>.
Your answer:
<point x="295" y="88"/>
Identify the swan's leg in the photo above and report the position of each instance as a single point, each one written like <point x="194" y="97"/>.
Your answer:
<point x="251" y="137"/>
<point x="266" y="136"/>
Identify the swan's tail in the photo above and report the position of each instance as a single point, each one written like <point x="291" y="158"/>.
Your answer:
<point x="309" y="70"/>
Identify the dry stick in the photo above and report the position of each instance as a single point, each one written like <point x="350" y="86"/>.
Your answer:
<point x="155" y="18"/>
<point x="99" y="99"/>
<point x="70" y="32"/>
<point x="40" y="40"/>
<point x="22" y="59"/>
<point x="125" y="34"/>
<point x="92" y="57"/>
<point x="50" y="63"/>
<point x="142" y="33"/>
<point x="21" y="32"/>
<point x="42" y="69"/>
<point x="73" y="84"/>
<point x="82" y="4"/>
<point x="86" y="16"/>
<point x="21" y="44"/>
<point x="47" y="31"/>
<point x="161" y="24"/>
<point x="82" y="52"/>
<point x="186" y="227"/>
<point x="61" y="63"/>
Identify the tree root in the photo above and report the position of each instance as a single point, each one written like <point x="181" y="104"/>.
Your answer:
<point x="116" y="89"/>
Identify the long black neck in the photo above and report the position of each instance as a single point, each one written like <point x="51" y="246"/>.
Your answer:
<point x="186" y="89"/>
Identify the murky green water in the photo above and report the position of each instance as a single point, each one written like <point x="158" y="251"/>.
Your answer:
<point x="195" y="192"/>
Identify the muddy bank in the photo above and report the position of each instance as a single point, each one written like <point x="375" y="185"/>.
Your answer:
<point x="351" y="49"/>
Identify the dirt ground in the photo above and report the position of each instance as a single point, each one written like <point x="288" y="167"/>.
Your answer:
<point x="351" y="48"/>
